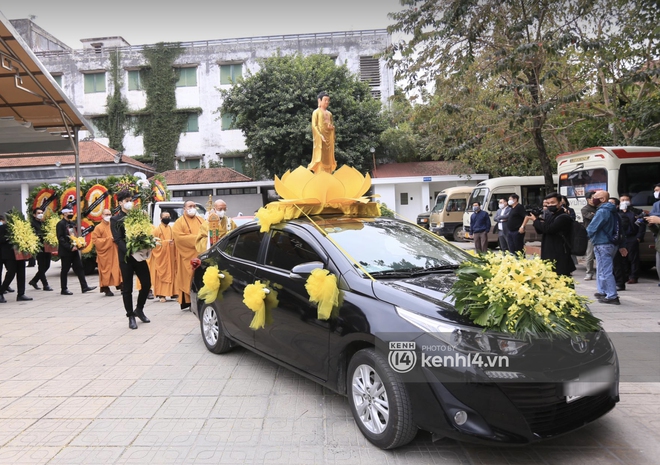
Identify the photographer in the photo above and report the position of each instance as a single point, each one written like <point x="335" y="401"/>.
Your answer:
<point x="555" y="227"/>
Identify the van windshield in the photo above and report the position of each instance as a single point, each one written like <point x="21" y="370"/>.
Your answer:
<point x="439" y="203"/>
<point x="479" y="194"/>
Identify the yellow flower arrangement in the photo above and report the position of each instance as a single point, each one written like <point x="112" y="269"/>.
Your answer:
<point x="21" y="235"/>
<point x="313" y="193"/>
<point x="215" y="283"/>
<point x="50" y="229"/>
<point x="139" y="232"/>
<point x="521" y="296"/>
<point x="322" y="288"/>
<point x="78" y="242"/>
<point x="259" y="298"/>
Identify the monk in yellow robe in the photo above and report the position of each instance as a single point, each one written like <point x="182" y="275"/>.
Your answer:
<point x="185" y="232"/>
<point x="323" y="130"/>
<point x="107" y="257"/>
<point x="163" y="259"/>
<point x="216" y="226"/>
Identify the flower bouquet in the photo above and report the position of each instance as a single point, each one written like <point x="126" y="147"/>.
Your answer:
<point x="22" y="236"/>
<point x="78" y="242"/>
<point x="49" y="229"/>
<point x="521" y="296"/>
<point x="139" y="235"/>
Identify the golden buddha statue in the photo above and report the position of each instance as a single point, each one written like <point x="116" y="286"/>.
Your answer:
<point x="323" y="129"/>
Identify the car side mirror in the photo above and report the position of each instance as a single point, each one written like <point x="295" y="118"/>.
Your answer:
<point x="302" y="271"/>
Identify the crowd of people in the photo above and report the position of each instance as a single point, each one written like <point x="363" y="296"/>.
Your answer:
<point x="165" y="274"/>
<point x="613" y="259"/>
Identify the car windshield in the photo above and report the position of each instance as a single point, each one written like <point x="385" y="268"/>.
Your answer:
<point x="380" y="245"/>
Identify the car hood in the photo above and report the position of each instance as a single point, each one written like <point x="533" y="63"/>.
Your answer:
<point x="425" y="294"/>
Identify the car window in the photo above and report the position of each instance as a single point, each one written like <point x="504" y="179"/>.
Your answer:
<point x="246" y="246"/>
<point x="391" y="245"/>
<point x="456" y="205"/>
<point x="286" y="250"/>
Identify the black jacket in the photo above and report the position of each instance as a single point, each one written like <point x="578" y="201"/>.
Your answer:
<point x="64" y="229"/>
<point x="516" y="218"/>
<point x="118" y="231"/>
<point x="37" y="226"/>
<point x="6" y="249"/>
<point x="556" y="233"/>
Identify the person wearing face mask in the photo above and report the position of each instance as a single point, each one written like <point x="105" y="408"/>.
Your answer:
<point x="43" y="258"/>
<point x="214" y="227"/>
<point x="129" y="266"/>
<point x="107" y="257"/>
<point x="601" y="232"/>
<point x="14" y="267"/>
<point x="69" y="253"/>
<point x="515" y="229"/>
<point x="555" y="228"/>
<point x="653" y="220"/>
<point x="185" y="232"/>
<point x="588" y="212"/>
<point x="501" y="218"/>
<point x="479" y="226"/>
<point x="634" y="232"/>
<point x="163" y="259"/>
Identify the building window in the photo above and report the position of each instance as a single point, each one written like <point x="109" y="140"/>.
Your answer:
<point x="190" y="165"/>
<point x="187" y="77"/>
<point x="230" y="73"/>
<point x="192" y="125"/>
<point x="193" y="193"/>
<point x="135" y="80"/>
<point x="403" y="198"/>
<point x="94" y="82"/>
<point x="370" y="73"/>
<point x="235" y="163"/>
<point x="58" y="79"/>
<point x="228" y="121"/>
<point x="236" y="191"/>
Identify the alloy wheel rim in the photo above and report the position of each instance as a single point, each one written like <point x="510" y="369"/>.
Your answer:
<point x="210" y="326"/>
<point x="370" y="399"/>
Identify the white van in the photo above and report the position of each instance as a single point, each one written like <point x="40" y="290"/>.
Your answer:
<point x="175" y="208"/>
<point x="530" y="189"/>
<point x="447" y="215"/>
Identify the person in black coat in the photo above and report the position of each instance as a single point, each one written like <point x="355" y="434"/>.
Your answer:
<point x="43" y="258"/>
<point x="556" y="230"/>
<point x="69" y="254"/>
<point x="15" y="268"/>
<point x="129" y="266"/>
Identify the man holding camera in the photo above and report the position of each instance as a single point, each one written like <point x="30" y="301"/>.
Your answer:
<point x="555" y="227"/>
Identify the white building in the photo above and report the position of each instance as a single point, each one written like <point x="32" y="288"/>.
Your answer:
<point x="204" y="66"/>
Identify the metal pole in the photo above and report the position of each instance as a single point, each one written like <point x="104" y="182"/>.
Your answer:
<point x="77" y="158"/>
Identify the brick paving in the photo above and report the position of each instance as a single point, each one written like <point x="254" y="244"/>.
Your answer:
<point x="78" y="387"/>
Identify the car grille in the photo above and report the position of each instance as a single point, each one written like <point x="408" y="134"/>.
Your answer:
<point x="546" y="411"/>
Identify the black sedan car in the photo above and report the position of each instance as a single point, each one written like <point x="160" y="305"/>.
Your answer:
<point x="394" y="344"/>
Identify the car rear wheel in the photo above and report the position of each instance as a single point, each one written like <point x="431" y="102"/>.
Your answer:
<point x="212" y="331"/>
<point x="379" y="401"/>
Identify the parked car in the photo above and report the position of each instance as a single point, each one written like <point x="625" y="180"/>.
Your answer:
<point x="423" y="219"/>
<point x="393" y="314"/>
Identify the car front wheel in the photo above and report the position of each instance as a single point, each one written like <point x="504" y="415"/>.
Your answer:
<point x="379" y="401"/>
<point x="212" y="331"/>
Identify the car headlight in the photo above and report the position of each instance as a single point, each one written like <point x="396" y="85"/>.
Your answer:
<point x="462" y="338"/>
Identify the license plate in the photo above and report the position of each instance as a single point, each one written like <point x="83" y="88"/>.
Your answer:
<point x="589" y="383"/>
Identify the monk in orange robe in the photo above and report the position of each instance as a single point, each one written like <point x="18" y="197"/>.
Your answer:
<point x="107" y="257"/>
<point x="163" y="259"/>
<point x="185" y="232"/>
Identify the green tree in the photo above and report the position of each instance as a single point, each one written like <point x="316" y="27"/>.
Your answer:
<point x="113" y="123"/>
<point x="523" y="57"/>
<point x="273" y="107"/>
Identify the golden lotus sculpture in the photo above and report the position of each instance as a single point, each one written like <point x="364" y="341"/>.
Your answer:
<point x="304" y="192"/>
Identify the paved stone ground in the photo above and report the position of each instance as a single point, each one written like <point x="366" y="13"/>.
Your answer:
<point x="78" y="387"/>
